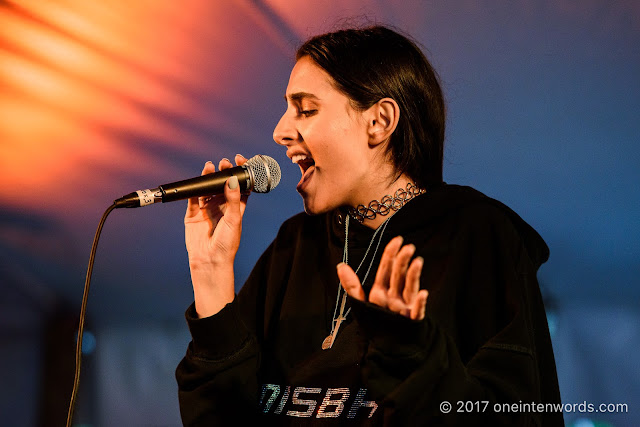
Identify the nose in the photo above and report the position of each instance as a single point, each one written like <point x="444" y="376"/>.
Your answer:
<point x="284" y="132"/>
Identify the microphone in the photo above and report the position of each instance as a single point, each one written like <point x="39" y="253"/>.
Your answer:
<point x="260" y="174"/>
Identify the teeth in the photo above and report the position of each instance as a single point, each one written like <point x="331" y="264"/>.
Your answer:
<point x="298" y="158"/>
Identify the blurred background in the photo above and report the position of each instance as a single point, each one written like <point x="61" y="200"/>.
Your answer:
<point x="99" y="99"/>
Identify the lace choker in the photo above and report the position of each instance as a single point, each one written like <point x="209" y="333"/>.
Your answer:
<point x="387" y="204"/>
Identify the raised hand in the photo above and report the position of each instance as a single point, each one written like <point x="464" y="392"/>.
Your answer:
<point x="397" y="283"/>
<point x="213" y="227"/>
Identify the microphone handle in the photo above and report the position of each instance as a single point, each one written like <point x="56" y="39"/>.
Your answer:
<point x="205" y="185"/>
<point x="200" y="186"/>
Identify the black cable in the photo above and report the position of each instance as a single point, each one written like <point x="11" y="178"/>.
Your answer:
<point x="83" y="312"/>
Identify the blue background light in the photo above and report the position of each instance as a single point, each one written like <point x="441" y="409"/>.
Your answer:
<point x="100" y="99"/>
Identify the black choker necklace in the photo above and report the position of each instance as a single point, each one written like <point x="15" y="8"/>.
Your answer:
<point x="387" y="204"/>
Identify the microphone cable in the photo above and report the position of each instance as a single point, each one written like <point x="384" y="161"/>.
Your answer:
<point x="83" y="312"/>
<point x="263" y="174"/>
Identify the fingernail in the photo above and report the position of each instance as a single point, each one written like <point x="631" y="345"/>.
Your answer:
<point x="241" y="156"/>
<point x="207" y="162"/>
<point x="224" y="158"/>
<point x="233" y="182"/>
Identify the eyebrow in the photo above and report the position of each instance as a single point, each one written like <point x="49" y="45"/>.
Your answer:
<point x="298" y="96"/>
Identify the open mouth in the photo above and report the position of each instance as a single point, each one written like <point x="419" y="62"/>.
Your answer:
<point x="304" y="161"/>
<point x="307" y="167"/>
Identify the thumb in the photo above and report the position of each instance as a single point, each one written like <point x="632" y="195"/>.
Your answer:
<point x="350" y="281"/>
<point x="233" y="215"/>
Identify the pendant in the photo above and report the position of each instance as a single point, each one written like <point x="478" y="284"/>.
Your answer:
<point x="328" y="342"/>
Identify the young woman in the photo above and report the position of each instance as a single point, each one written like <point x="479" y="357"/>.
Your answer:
<point x="396" y="299"/>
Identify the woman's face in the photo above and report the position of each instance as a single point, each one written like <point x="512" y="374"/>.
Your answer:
<point x="327" y="138"/>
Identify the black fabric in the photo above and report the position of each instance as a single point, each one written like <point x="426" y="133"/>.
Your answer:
<point x="484" y="339"/>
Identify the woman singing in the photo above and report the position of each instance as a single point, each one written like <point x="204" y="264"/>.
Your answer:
<point x="395" y="299"/>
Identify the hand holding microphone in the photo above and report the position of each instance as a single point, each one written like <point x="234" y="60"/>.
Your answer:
<point x="213" y="227"/>
<point x="212" y="232"/>
<point x="213" y="221"/>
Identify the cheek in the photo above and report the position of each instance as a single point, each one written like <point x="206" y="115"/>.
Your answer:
<point x="334" y="141"/>
<point x="343" y="127"/>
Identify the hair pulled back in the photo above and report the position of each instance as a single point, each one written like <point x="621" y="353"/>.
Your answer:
<point x="376" y="62"/>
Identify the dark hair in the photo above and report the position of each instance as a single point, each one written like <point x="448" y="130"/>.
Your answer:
<point x="376" y="62"/>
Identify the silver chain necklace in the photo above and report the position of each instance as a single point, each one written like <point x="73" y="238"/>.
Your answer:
<point x="330" y="339"/>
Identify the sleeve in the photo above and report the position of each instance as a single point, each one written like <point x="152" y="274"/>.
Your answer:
<point x="490" y="357"/>
<point x="217" y="377"/>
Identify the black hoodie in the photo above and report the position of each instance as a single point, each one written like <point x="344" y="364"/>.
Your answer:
<point x="482" y="355"/>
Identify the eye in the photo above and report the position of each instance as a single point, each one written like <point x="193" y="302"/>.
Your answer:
<point x="307" y="113"/>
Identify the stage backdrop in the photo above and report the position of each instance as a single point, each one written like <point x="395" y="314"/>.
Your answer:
<point x="99" y="99"/>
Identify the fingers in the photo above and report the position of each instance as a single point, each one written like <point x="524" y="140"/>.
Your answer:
<point x="350" y="281"/>
<point x="208" y="169"/>
<point x="195" y="203"/>
<point x="399" y="270"/>
<point x="419" y="306"/>
<point x="241" y="160"/>
<point x="233" y="213"/>
<point x="386" y="261"/>
<point x="412" y="280"/>
<point x="226" y="163"/>
<point x="397" y="283"/>
<point x="378" y="294"/>
<point x="231" y="192"/>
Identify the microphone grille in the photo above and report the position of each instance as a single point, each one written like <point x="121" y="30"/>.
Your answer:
<point x="265" y="172"/>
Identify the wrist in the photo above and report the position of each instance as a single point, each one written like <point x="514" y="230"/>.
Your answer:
<point x="213" y="287"/>
<point x="211" y="263"/>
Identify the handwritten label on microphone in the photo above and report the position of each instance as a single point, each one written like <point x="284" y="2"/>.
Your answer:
<point x="146" y="197"/>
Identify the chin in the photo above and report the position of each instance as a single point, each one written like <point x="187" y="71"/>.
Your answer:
<point x="313" y="208"/>
<point x="311" y="211"/>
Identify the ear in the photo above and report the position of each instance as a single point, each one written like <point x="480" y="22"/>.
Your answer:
<point x="382" y="120"/>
